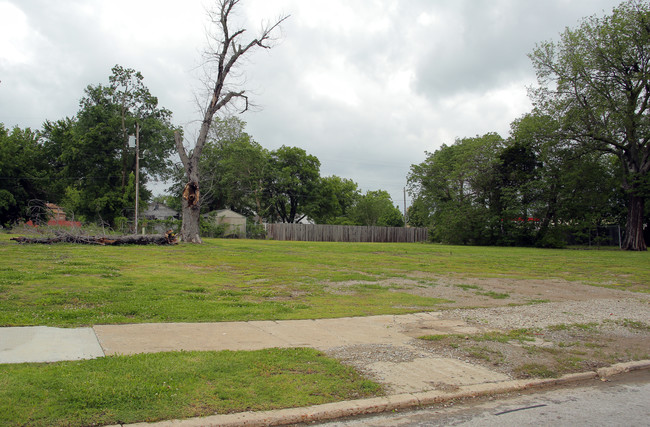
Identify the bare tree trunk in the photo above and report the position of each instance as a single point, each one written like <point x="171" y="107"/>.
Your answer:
<point x="191" y="199"/>
<point x="190" y="229"/>
<point x="225" y="57"/>
<point x="634" y="240"/>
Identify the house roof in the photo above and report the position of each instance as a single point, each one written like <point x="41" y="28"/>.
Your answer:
<point x="229" y="213"/>
<point x="159" y="211"/>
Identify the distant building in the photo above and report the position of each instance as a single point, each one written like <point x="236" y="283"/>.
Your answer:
<point x="55" y="212"/>
<point x="56" y="217"/>
<point x="235" y="223"/>
<point x="160" y="211"/>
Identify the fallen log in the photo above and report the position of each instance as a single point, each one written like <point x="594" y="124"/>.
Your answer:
<point x="169" y="238"/>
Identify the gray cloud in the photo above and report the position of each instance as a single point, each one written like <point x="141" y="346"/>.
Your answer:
<point x="367" y="87"/>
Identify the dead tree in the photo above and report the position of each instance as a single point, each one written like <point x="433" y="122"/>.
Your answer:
<point x="169" y="238"/>
<point x="227" y="51"/>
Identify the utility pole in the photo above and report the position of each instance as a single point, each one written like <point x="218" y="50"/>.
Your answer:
<point x="404" y="206"/>
<point x="137" y="173"/>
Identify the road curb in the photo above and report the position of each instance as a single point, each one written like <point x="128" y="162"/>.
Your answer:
<point x="330" y="411"/>
<point x="622" y="368"/>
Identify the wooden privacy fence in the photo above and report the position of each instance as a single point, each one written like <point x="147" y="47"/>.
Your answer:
<point x="344" y="233"/>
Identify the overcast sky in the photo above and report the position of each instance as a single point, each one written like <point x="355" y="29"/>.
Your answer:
<point x="367" y="86"/>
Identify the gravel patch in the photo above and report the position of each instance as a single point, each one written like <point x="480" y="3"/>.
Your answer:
<point x="556" y="313"/>
<point x="592" y="334"/>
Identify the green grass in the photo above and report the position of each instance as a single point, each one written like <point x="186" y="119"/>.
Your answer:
<point x="633" y="324"/>
<point x="226" y="280"/>
<point x="536" y="370"/>
<point x="150" y="387"/>
<point x="587" y="327"/>
<point x="494" y="295"/>
<point x="468" y="287"/>
<point x="480" y="291"/>
<point x="520" y="335"/>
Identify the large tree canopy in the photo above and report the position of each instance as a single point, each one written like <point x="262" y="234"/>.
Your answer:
<point x="530" y="189"/>
<point x="337" y="196"/>
<point x="233" y="169"/>
<point x="454" y="184"/>
<point x="292" y="185"/>
<point x="376" y="208"/>
<point x="595" y="81"/>
<point x="89" y="158"/>
<point x="23" y="174"/>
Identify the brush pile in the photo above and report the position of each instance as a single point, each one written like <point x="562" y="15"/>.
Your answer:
<point x="168" y="238"/>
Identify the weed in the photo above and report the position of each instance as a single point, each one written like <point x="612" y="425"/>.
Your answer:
<point x="633" y="324"/>
<point x="520" y="335"/>
<point x="536" y="370"/>
<point x="494" y="295"/>
<point x="433" y="337"/>
<point x="486" y="354"/>
<point x="592" y="345"/>
<point x="587" y="327"/>
<point x="538" y="301"/>
<point x="468" y="287"/>
<point x="569" y="363"/>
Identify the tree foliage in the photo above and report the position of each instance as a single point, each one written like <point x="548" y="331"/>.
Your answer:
<point x="23" y="173"/>
<point x="595" y="81"/>
<point x="234" y="168"/>
<point x="376" y="208"/>
<point x="292" y="184"/>
<point x="454" y="183"/>
<point x="89" y="159"/>
<point x="530" y="189"/>
<point x="336" y="198"/>
<point x="281" y="185"/>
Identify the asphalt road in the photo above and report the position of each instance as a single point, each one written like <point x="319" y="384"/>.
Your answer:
<point x="624" y="400"/>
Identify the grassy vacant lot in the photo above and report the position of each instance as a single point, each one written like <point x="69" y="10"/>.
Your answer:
<point x="159" y="386"/>
<point x="73" y="285"/>
<point x="224" y="280"/>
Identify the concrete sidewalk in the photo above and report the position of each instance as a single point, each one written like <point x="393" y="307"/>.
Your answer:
<point x="421" y="373"/>
<point x="33" y="344"/>
<point x="421" y="378"/>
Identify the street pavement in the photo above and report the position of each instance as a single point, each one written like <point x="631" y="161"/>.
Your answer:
<point x="411" y="382"/>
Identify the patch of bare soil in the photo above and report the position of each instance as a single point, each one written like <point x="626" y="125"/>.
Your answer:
<point x="527" y="328"/>
<point x="490" y="292"/>
<point x="549" y="352"/>
<point x="554" y="338"/>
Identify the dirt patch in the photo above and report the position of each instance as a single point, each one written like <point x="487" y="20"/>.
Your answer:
<point x="554" y="338"/>
<point x="548" y="352"/>
<point x="489" y="292"/>
<point x="520" y="328"/>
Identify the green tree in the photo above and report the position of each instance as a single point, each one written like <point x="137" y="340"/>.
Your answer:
<point x="418" y="213"/>
<point x="515" y="193"/>
<point x="89" y="156"/>
<point x="455" y="184"/>
<point x="23" y="173"/>
<point x="292" y="184"/>
<point x="565" y="186"/>
<point x="233" y="167"/>
<point x="595" y="82"/>
<point x="336" y="198"/>
<point x="375" y="208"/>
